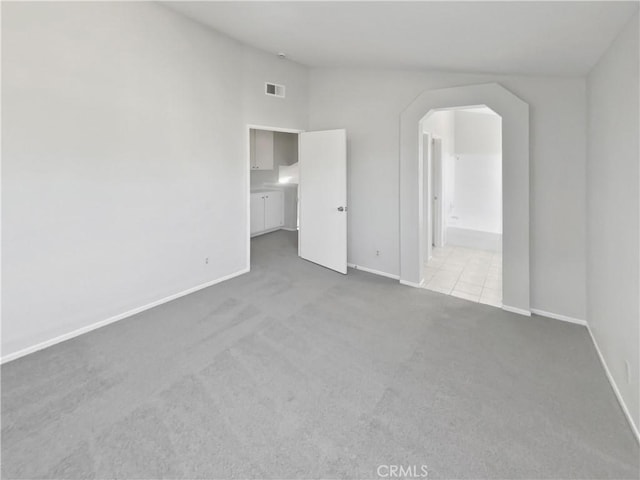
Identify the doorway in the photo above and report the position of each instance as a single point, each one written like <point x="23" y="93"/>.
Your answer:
<point x="286" y="166"/>
<point x="462" y="156"/>
<point x="515" y="175"/>
<point x="273" y="188"/>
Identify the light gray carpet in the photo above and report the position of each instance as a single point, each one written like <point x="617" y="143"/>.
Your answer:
<point x="293" y="371"/>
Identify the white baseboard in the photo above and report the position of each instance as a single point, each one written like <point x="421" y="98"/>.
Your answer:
<point x="612" y="382"/>
<point x="557" y="316"/>
<point x="262" y="232"/>
<point x="519" y="311"/>
<point x="121" y="316"/>
<point x="371" y="270"/>
<point x="614" y="386"/>
<point x="412" y="284"/>
<point x="257" y="234"/>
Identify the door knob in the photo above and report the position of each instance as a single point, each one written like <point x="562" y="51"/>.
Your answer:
<point x="341" y="209"/>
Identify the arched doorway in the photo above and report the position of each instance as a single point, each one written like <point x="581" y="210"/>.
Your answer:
<point x="462" y="164"/>
<point x="515" y="171"/>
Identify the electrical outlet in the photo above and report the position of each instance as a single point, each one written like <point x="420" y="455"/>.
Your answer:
<point x="627" y="369"/>
<point x="377" y="253"/>
<point x="206" y="261"/>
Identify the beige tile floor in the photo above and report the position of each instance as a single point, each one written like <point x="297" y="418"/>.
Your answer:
<point x="474" y="275"/>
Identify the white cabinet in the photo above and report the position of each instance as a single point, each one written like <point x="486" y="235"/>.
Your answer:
<point x="261" y="149"/>
<point x="267" y="211"/>
<point x="273" y="210"/>
<point x="257" y="212"/>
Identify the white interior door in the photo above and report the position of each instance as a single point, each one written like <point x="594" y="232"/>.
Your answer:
<point x="322" y="160"/>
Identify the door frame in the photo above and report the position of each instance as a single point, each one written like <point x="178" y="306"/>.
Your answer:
<point x="437" y="186"/>
<point x="433" y="181"/>
<point x="427" y="165"/>
<point x="247" y="175"/>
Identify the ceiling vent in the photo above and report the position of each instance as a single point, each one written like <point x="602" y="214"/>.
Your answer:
<point x="274" y="90"/>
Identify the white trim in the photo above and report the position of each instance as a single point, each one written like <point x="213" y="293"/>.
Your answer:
<point x="519" y="311"/>
<point x="412" y="284"/>
<point x="274" y="129"/>
<point x="262" y="232"/>
<point x="121" y="316"/>
<point x="288" y="229"/>
<point x="614" y="386"/>
<point x="371" y="270"/>
<point x="557" y="316"/>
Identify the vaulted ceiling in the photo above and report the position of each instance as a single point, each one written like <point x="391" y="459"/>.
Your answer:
<point x="531" y="38"/>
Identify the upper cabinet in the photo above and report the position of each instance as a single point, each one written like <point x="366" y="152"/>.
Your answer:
<point x="261" y="150"/>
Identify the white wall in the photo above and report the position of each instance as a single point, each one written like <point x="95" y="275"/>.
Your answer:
<point x="124" y="159"/>
<point x="259" y="109"/>
<point x="613" y="211"/>
<point x="478" y="133"/>
<point x="477" y="201"/>
<point x="477" y="172"/>
<point x="368" y="103"/>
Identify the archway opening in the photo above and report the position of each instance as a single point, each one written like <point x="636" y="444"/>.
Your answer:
<point x="515" y="185"/>
<point x="462" y="195"/>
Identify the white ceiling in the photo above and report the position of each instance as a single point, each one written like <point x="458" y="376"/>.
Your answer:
<point x="532" y="38"/>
